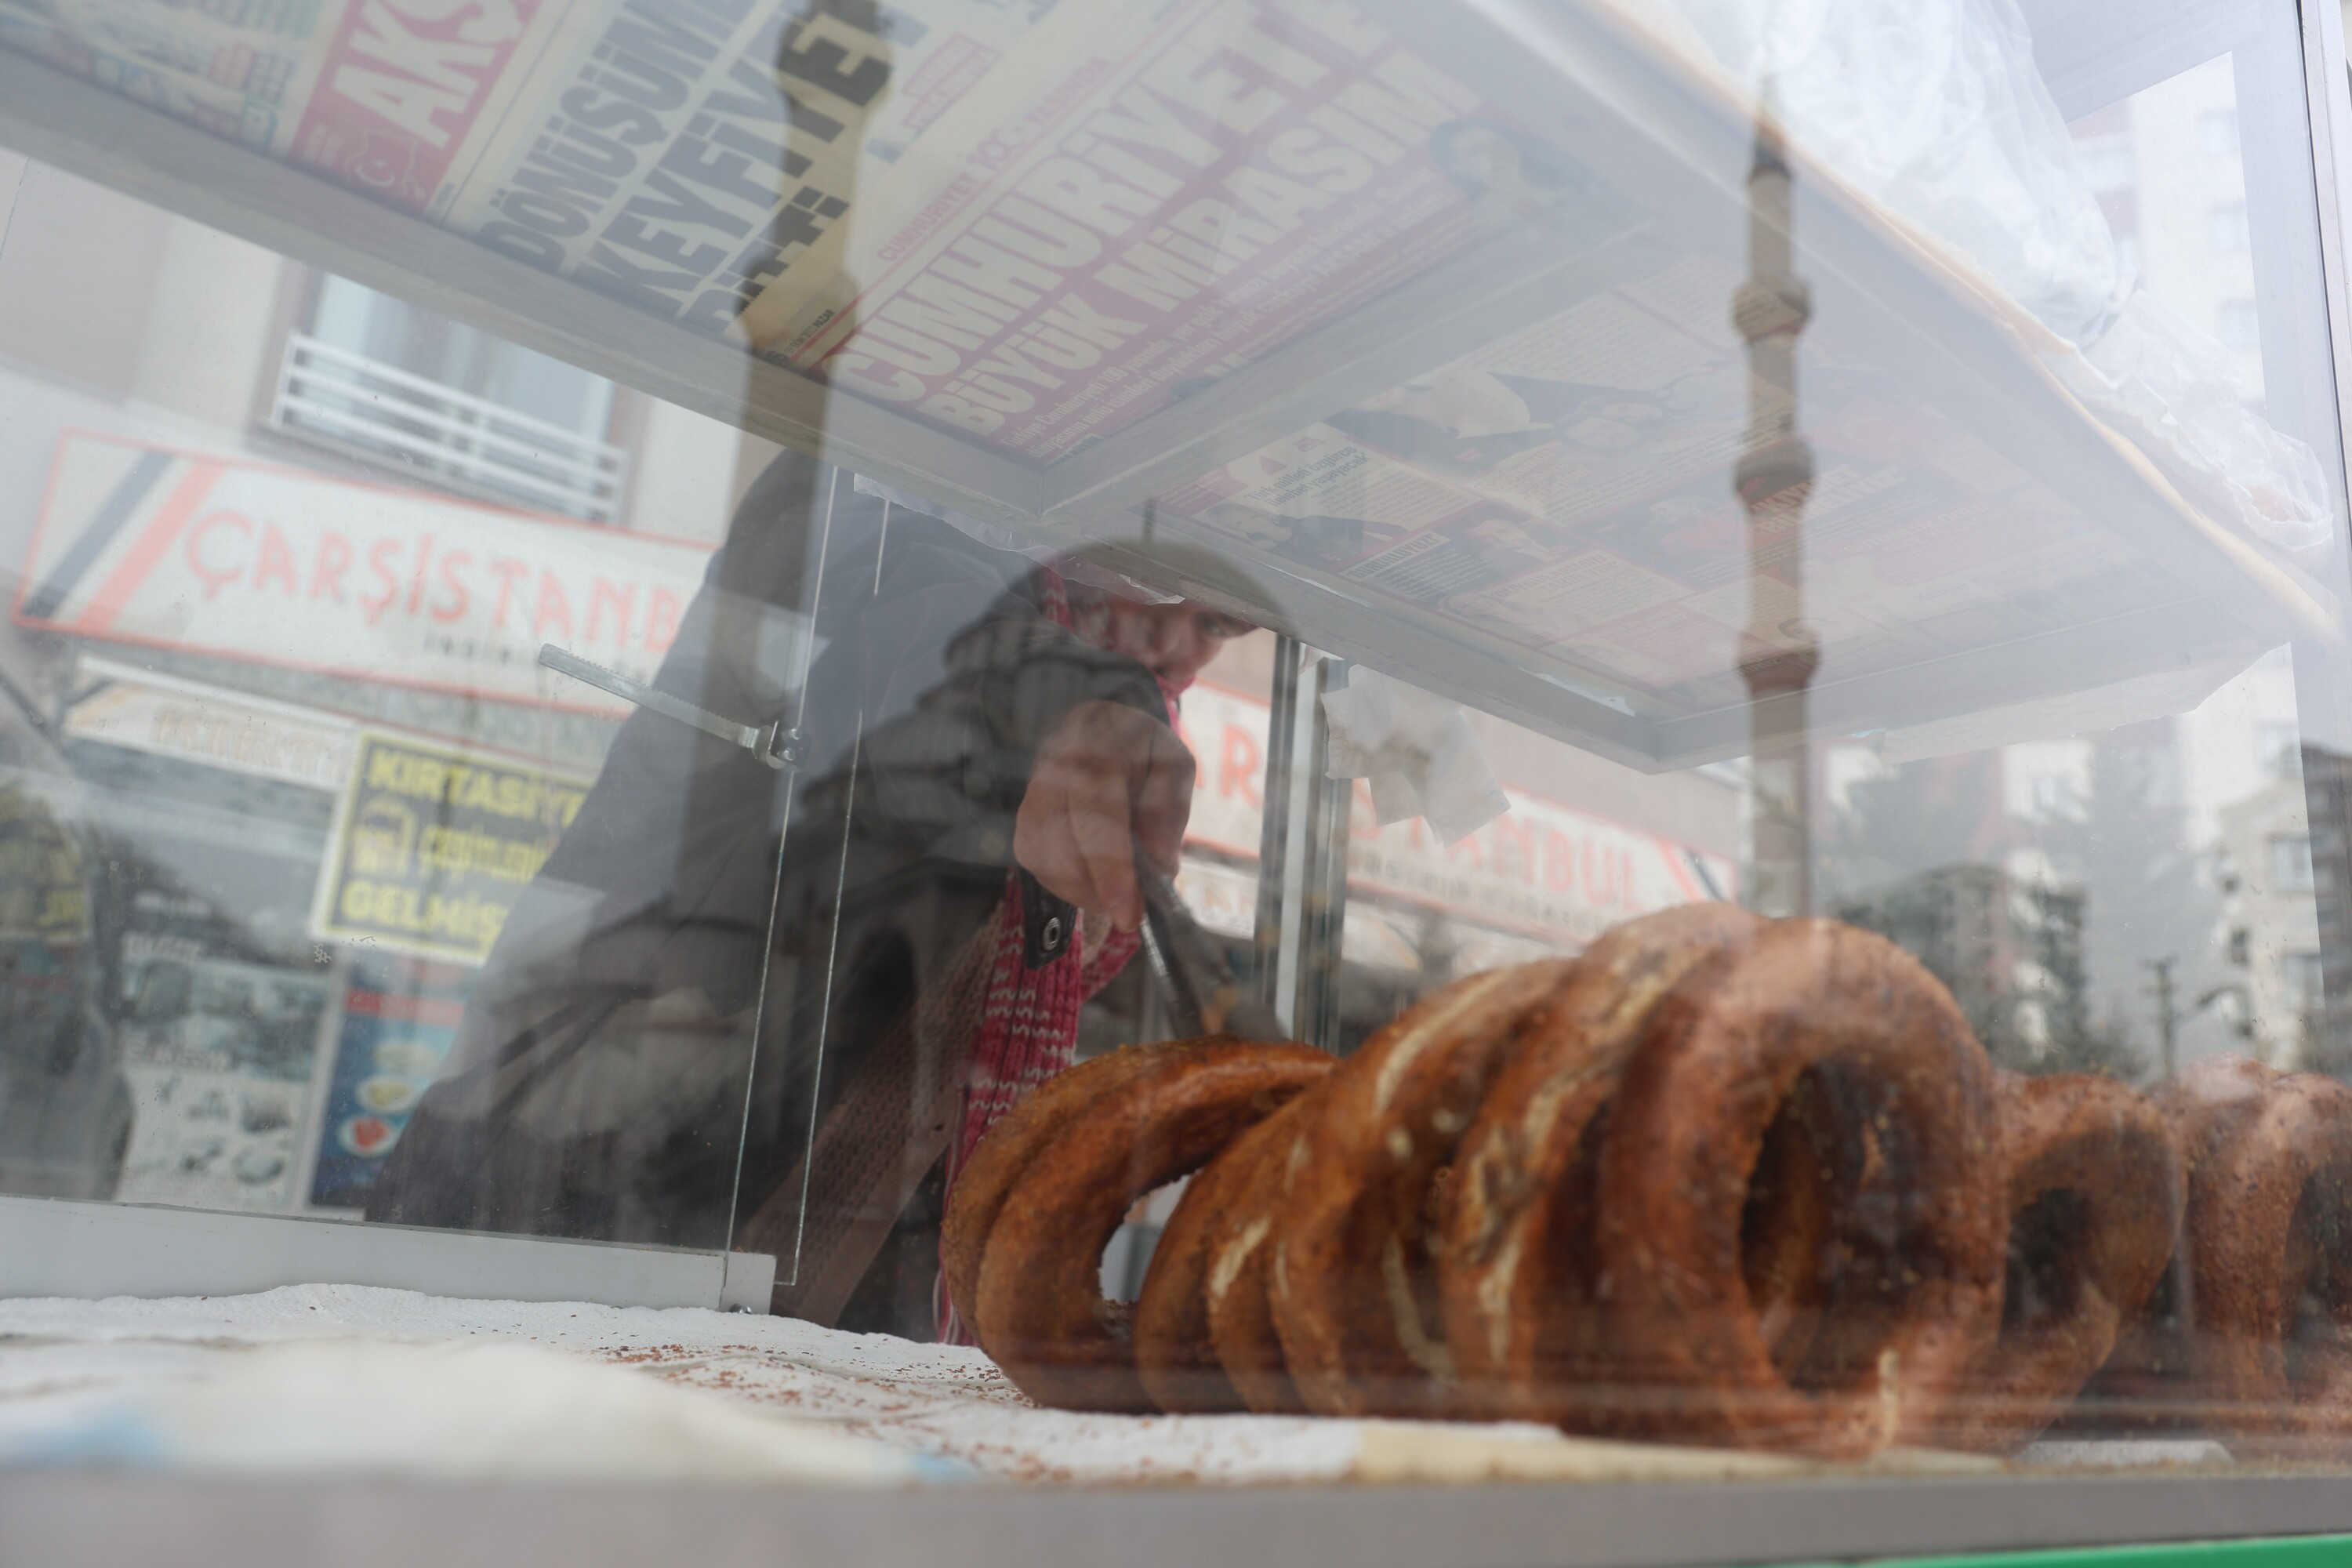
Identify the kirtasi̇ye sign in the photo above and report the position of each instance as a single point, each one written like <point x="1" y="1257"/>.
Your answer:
<point x="432" y="846"/>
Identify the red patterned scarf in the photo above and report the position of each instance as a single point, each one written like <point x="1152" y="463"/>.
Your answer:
<point x="1029" y="1023"/>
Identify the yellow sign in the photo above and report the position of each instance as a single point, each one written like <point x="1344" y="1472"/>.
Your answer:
<point x="41" y="888"/>
<point x="432" y="846"/>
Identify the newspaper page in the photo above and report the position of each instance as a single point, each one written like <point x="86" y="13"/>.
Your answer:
<point x="683" y="154"/>
<point x="678" y="153"/>
<point x="1161" y="193"/>
<point x="1563" y="499"/>
<point x="241" y="78"/>
<point x="393" y="98"/>
<point x="1034" y="223"/>
<point x="1030" y="222"/>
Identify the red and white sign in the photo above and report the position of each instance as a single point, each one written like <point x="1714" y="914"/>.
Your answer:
<point x="401" y="86"/>
<point x="170" y="549"/>
<point x="1544" y="868"/>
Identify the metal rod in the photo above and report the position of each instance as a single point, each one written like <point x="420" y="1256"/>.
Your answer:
<point x="1184" y="1004"/>
<point x="1275" y="824"/>
<point x="813" y="598"/>
<point x="2167" y="1017"/>
<point x="773" y="743"/>
<point x="644" y="696"/>
<point x="1323" y="924"/>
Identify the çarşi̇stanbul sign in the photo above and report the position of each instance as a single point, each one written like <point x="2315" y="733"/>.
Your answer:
<point x="154" y="546"/>
<point x="1545" y="868"/>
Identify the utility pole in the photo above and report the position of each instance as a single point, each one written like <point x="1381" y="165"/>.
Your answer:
<point x="1777" y="651"/>
<point x="2166" y="1020"/>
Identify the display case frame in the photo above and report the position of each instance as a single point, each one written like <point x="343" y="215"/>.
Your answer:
<point x="85" y="130"/>
<point x="2180" y="1520"/>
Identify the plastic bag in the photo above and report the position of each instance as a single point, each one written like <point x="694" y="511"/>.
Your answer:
<point x="1418" y="753"/>
<point x="2173" y="391"/>
<point x="1935" y="109"/>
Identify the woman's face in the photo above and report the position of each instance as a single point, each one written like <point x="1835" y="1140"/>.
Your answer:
<point x="1174" y="642"/>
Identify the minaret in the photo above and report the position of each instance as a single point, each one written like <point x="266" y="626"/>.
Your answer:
<point x="1777" y="653"/>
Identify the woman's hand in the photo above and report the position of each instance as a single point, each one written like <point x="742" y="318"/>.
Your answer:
<point x="1109" y="783"/>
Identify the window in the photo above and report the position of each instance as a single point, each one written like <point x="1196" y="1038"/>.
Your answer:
<point x="2300" y="977"/>
<point x="2238" y="326"/>
<point x="2290" y="863"/>
<point x="2217" y="132"/>
<point x="377" y="377"/>
<point x="2226" y="225"/>
<point x="2282" y="749"/>
<point x="2108" y="162"/>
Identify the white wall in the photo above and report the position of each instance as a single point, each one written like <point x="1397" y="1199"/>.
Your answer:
<point x="207" y="335"/>
<point x="682" y="479"/>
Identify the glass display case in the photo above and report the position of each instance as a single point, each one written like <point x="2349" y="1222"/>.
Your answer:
<point x="1582" y="766"/>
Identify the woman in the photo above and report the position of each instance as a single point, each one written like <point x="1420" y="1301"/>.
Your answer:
<point x="711" y="959"/>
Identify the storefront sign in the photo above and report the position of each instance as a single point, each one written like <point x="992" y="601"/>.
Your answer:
<point x="145" y="544"/>
<point x="1547" y="869"/>
<point x="220" y="1054"/>
<point x="44" y="898"/>
<point x="432" y="846"/>
<point x="399" y="1018"/>
<point x="192" y="722"/>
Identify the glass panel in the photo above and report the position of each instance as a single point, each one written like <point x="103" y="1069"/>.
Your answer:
<point x="281" y="760"/>
<point x="818" y="627"/>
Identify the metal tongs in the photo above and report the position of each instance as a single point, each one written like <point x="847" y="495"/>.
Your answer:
<point x="773" y="744"/>
<point x="1199" y="988"/>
